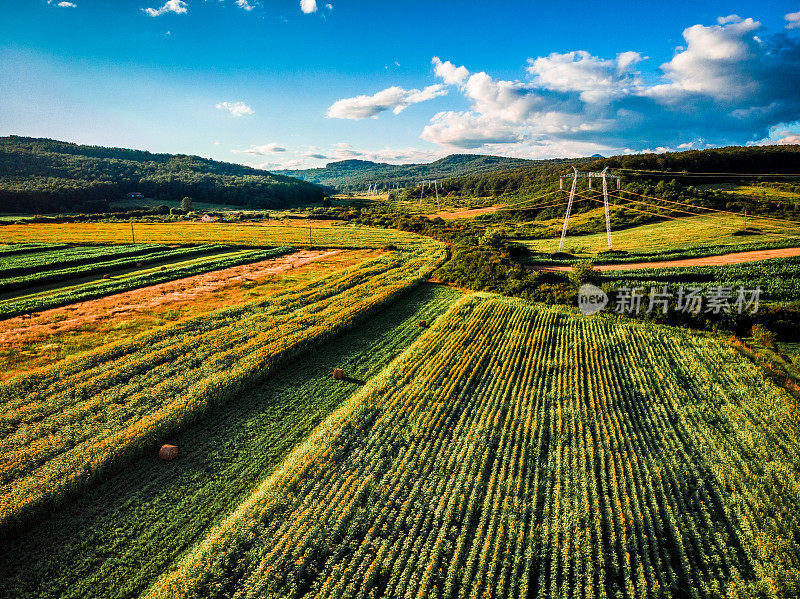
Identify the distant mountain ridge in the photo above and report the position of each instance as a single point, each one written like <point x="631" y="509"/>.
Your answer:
<point x="46" y="175"/>
<point x="356" y="175"/>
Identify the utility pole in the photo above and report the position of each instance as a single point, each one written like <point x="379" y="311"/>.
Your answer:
<point x="436" y="187"/>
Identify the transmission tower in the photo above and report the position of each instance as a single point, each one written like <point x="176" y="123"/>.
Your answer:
<point x="586" y="175"/>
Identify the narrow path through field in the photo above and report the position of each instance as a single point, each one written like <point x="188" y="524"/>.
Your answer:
<point x="735" y="258"/>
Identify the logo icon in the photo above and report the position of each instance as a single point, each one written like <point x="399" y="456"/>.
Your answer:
<point x="591" y="299"/>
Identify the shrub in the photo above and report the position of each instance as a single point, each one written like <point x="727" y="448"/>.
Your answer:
<point x="762" y="335"/>
<point x="583" y="272"/>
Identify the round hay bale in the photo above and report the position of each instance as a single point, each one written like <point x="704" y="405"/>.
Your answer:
<point x="423" y="323"/>
<point x="168" y="452"/>
<point x="338" y="374"/>
<point x="106" y="276"/>
<point x="139" y="264"/>
<point x="163" y="268"/>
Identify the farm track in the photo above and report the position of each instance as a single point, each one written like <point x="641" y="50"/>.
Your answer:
<point x="721" y="260"/>
<point x="116" y="538"/>
<point x="22" y="329"/>
<point x="526" y="452"/>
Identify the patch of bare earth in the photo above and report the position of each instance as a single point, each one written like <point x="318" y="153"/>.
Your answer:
<point x="736" y="258"/>
<point x="28" y="342"/>
<point x="470" y="213"/>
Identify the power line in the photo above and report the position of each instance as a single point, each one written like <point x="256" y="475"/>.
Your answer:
<point x="537" y="207"/>
<point x="692" y="213"/>
<point x="544" y="195"/>
<point x="707" y="208"/>
<point x="695" y="174"/>
<point x="689" y="219"/>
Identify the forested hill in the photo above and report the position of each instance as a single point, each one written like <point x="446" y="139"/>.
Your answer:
<point x="44" y="175"/>
<point x="732" y="159"/>
<point x="356" y="175"/>
<point x="540" y="177"/>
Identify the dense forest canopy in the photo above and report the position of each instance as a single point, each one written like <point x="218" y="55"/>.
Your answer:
<point x="44" y="175"/>
<point x="732" y="159"/>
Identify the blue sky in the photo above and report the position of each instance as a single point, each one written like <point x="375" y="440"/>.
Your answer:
<point x="299" y="83"/>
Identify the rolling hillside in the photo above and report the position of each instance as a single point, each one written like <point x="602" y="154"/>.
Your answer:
<point x="356" y="175"/>
<point x="44" y="175"/>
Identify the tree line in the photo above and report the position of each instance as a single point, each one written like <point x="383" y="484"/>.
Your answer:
<point x="42" y="175"/>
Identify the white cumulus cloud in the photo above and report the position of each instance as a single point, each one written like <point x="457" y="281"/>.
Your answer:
<point x="394" y="98"/>
<point x="467" y="130"/>
<point x="244" y="4"/>
<point x="729" y="84"/>
<point x="449" y="73"/>
<point x="237" y="109"/>
<point x="263" y="150"/>
<point x="792" y="20"/>
<point x="308" y="6"/>
<point x="720" y="61"/>
<point x="179" y="7"/>
<point x="596" y="79"/>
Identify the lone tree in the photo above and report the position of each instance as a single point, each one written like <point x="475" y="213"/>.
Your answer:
<point x="186" y="204"/>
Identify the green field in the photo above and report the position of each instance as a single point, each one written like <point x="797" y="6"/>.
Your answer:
<point x="671" y="234"/>
<point x="752" y="192"/>
<point x="516" y="451"/>
<point x="509" y="450"/>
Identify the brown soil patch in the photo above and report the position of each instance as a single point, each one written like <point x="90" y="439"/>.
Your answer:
<point x="735" y="258"/>
<point x="465" y="213"/>
<point x="28" y="342"/>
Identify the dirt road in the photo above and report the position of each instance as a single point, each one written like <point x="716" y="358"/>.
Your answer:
<point x="736" y="258"/>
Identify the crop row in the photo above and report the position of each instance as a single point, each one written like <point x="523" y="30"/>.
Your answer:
<point x="521" y="452"/>
<point x="38" y="261"/>
<point x="68" y="273"/>
<point x="23" y="248"/>
<point x="61" y="297"/>
<point x="63" y="426"/>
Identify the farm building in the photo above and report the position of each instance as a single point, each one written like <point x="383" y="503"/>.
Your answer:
<point x="135" y="195"/>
